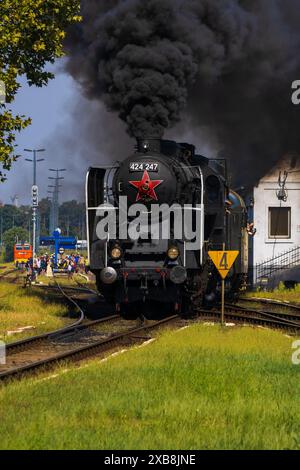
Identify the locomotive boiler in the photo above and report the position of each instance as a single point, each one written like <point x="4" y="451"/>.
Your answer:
<point x="152" y="220"/>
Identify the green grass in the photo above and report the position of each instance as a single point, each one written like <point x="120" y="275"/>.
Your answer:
<point x="64" y="280"/>
<point x="21" y="308"/>
<point x="199" y="388"/>
<point x="5" y="267"/>
<point x="281" y="293"/>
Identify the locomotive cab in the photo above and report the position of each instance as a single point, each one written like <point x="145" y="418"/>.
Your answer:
<point x="22" y="253"/>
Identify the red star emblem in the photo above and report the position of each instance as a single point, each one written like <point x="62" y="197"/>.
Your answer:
<point x="146" y="187"/>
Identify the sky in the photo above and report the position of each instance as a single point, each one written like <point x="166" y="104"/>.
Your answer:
<point x="49" y="108"/>
<point x="76" y="133"/>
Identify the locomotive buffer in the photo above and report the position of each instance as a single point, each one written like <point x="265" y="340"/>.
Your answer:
<point x="223" y="261"/>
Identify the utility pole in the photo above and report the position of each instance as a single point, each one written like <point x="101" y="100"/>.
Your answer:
<point x="83" y="237"/>
<point x="1" y="232"/>
<point x="29" y="226"/>
<point x="51" y="218"/>
<point x="68" y="225"/>
<point x="50" y="224"/>
<point x="55" y="197"/>
<point x="35" y="213"/>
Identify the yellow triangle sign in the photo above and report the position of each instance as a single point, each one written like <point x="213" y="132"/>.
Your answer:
<point x="223" y="260"/>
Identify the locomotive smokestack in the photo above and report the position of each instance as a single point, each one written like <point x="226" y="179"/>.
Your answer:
<point x="151" y="144"/>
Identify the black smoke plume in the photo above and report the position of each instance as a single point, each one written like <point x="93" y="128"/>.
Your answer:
<point x="226" y="64"/>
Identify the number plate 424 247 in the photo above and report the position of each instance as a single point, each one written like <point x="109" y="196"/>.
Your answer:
<point x="143" y="166"/>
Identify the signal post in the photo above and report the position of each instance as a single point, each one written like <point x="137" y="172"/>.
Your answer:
<point x="223" y="261"/>
<point x="34" y="195"/>
<point x="35" y="205"/>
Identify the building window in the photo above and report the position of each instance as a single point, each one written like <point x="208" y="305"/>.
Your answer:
<point x="279" y="222"/>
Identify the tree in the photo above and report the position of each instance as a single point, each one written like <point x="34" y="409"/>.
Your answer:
<point x="44" y="211"/>
<point x="12" y="236"/>
<point x="11" y="216"/>
<point x="72" y="219"/>
<point x="31" y="35"/>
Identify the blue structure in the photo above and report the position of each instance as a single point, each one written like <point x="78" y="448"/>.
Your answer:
<point x="68" y="243"/>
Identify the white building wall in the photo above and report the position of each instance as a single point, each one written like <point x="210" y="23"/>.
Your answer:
<point x="265" y="197"/>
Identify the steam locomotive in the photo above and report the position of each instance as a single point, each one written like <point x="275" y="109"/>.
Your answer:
<point x="140" y="269"/>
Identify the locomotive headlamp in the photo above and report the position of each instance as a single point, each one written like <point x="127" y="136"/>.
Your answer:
<point x="173" y="253"/>
<point x="108" y="275"/>
<point x="116" y="252"/>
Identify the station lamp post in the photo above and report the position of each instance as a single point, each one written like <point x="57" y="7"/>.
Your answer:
<point x="34" y="195"/>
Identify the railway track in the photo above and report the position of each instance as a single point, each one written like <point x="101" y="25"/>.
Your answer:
<point x="84" y="338"/>
<point x="272" y="302"/>
<point x="280" y="309"/>
<point x="66" y="288"/>
<point x="81" y="343"/>
<point x="237" y="313"/>
<point x="83" y="296"/>
<point x="80" y="340"/>
<point x="19" y="345"/>
<point x="82" y="286"/>
<point x="285" y="319"/>
<point x="4" y="275"/>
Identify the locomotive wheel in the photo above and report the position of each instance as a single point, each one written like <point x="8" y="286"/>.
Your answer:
<point x="131" y="311"/>
<point x="192" y="298"/>
<point x="149" y="310"/>
<point x="188" y="307"/>
<point x="107" y="291"/>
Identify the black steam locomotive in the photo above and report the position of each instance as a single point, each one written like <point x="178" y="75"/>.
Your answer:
<point x="139" y="268"/>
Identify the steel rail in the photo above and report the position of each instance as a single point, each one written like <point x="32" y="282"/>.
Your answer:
<point x="88" y="350"/>
<point x="29" y="341"/>
<point x="279" y="303"/>
<point x="272" y="315"/>
<point x="80" y="285"/>
<point x="7" y="273"/>
<point x="253" y="318"/>
<point x="66" y="288"/>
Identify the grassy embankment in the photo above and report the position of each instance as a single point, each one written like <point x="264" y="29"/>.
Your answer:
<point x="281" y="293"/>
<point x="199" y="388"/>
<point x="22" y="308"/>
<point x="5" y="267"/>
